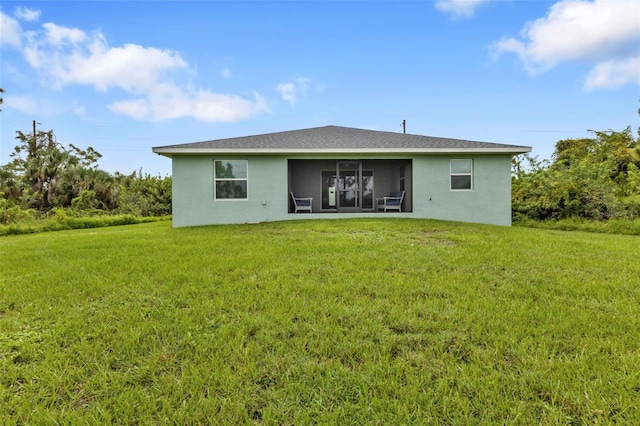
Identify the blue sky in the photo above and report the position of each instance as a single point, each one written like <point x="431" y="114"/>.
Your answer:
<point x="123" y="77"/>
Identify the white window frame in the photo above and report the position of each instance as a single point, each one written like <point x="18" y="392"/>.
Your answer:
<point x="234" y="179"/>
<point x="469" y="173"/>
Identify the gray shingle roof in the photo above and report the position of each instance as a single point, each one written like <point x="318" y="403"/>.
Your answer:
<point x="337" y="139"/>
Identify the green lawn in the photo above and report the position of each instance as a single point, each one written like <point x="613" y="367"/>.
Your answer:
<point x="340" y="322"/>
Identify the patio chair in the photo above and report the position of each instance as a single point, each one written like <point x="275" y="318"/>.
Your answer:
<point x="300" y="203"/>
<point x="392" y="202"/>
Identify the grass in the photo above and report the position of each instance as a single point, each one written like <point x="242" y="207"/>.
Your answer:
<point x="610" y="226"/>
<point x="341" y="322"/>
<point x="61" y="220"/>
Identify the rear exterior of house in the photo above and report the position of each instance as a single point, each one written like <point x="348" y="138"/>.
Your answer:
<point x="345" y="172"/>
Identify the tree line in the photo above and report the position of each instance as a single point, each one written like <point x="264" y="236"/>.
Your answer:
<point x="596" y="178"/>
<point x="45" y="175"/>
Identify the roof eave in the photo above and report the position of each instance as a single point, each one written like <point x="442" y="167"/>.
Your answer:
<point x="168" y="152"/>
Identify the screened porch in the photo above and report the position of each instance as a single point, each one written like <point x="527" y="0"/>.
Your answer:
<point x="349" y="186"/>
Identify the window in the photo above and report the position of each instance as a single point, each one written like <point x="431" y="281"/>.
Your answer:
<point x="461" y="175"/>
<point x="230" y="179"/>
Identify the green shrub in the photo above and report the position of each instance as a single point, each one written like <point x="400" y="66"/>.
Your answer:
<point x="622" y="226"/>
<point x="62" y="219"/>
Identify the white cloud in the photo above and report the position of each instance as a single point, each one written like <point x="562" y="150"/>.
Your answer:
<point x="290" y="91"/>
<point x="138" y="109"/>
<point x="57" y="35"/>
<point x="80" y="111"/>
<point x="596" y="31"/>
<point x="159" y="78"/>
<point x="132" y="67"/>
<point x="614" y="73"/>
<point x="10" y="31"/>
<point x="68" y="56"/>
<point x="459" y="8"/>
<point x="168" y="103"/>
<point x="225" y="73"/>
<point x="24" y="104"/>
<point x="208" y="106"/>
<point x="27" y="14"/>
<point x="576" y="29"/>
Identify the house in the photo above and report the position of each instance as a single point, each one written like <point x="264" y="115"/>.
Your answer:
<point x="342" y="172"/>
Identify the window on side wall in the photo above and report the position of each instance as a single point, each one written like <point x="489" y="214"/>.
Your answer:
<point x="230" y="179"/>
<point x="461" y="175"/>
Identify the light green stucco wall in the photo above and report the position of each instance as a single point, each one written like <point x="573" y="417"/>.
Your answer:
<point x="193" y="202"/>
<point x="488" y="202"/>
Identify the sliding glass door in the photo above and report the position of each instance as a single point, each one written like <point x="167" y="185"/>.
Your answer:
<point x="348" y="188"/>
<point x="348" y="191"/>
